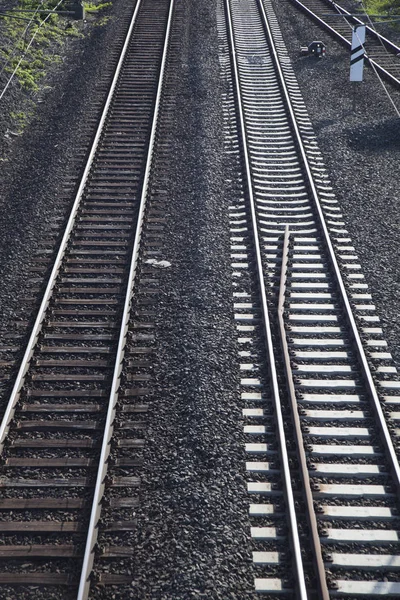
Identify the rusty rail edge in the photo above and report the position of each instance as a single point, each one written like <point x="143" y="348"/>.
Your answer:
<point x="369" y="381"/>
<point x="295" y="541"/>
<point x="311" y="516"/>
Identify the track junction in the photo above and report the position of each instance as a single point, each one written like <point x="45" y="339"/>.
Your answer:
<point x="318" y="387"/>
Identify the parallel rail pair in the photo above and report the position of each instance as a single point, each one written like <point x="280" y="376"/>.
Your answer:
<point x="296" y="239"/>
<point x="56" y="434"/>
<point x="285" y="182"/>
<point x="382" y="54"/>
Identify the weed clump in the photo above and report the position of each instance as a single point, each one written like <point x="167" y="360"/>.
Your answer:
<point x="33" y="35"/>
<point x="385" y="8"/>
<point x="92" y="7"/>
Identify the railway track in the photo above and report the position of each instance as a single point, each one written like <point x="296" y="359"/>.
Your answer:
<point x="381" y="53"/>
<point x="319" y="390"/>
<point x="318" y="387"/>
<point x="57" y="430"/>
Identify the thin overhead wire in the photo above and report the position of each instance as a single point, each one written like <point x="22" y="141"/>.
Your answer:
<point x="396" y="20"/>
<point x="27" y="48"/>
<point x="370" y="22"/>
<point x="343" y="15"/>
<point x="379" y="77"/>
<point x="397" y="111"/>
<point x="372" y="25"/>
<point x="30" y="21"/>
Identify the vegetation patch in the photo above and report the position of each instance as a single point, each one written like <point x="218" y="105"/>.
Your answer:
<point x="33" y="40"/>
<point x="33" y="35"/>
<point x="391" y="8"/>
<point x="92" y="7"/>
<point x="21" y="119"/>
<point x="103" y="21"/>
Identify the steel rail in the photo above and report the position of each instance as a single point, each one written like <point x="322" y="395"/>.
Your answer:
<point x="344" y="13"/>
<point x="322" y="23"/>
<point x="311" y="516"/>
<point x="375" y="34"/>
<point x="370" y="385"/>
<point x="88" y="559"/>
<point x="299" y="569"/>
<point x="20" y="379"/>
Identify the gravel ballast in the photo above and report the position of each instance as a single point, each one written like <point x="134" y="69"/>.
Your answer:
<point x="32" y="173"/>
<point x="192" y="538"/>
<point x="361" y="150"/>
<point x="193" y="530"/>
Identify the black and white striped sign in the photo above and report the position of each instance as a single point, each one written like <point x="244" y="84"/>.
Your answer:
<point x="357" y="53"/>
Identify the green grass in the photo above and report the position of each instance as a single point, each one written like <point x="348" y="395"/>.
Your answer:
<point x="32" y="64"/>
<point x="101" y="21"/>
<point x="92" y="7"/>
<point x="35" y="60"/>
<point x="20" y="119"/>
<point x="383" y="7"/>
<point x="46" y="48"/>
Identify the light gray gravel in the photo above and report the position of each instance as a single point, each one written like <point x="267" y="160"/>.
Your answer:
<point x="192" y="539"/>
<point x="361" y="150"/>
<point x="193" y="532"/>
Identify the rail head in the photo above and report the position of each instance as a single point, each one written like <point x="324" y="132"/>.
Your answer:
<point x="363" y="361"/>
<point x="293" y="526"/>
<point x="298" y="435"/>
<point x="37" y="327"/>
<point x="395" y="50"/>
<point x="385" y="41"/>
<point x="88" y="558"/>
<point x="322" y="23"/>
